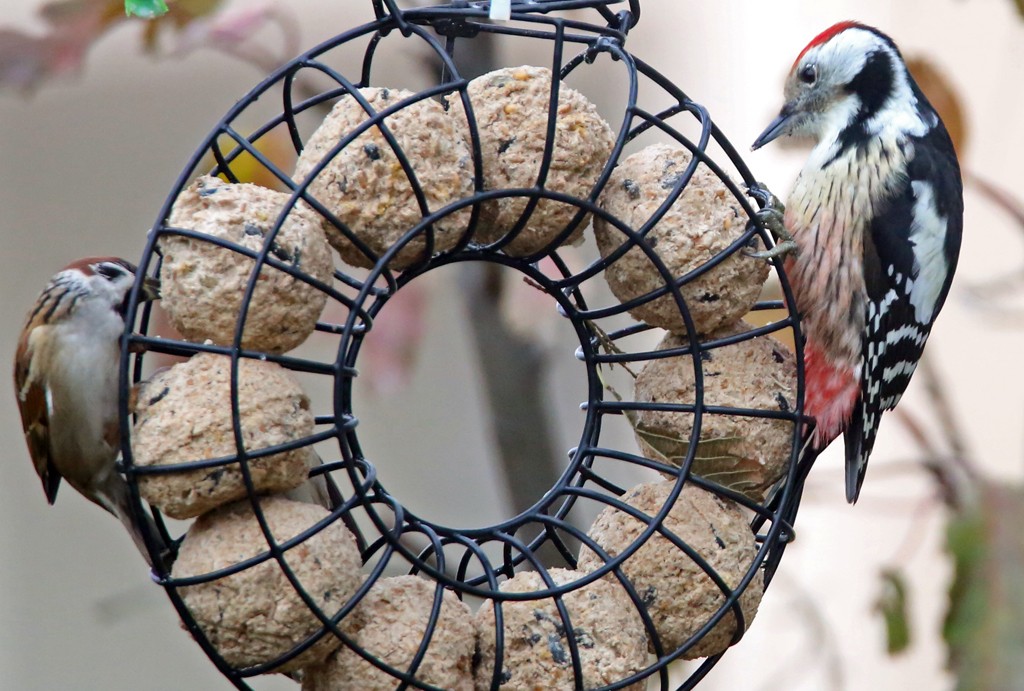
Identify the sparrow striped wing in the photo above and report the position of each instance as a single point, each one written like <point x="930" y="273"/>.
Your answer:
<point x="35" y="417"/>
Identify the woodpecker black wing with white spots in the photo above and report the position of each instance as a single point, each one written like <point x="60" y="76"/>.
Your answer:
<point x="910" y="254"/>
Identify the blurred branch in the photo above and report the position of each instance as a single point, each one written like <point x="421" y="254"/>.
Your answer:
<point x="949" y="421"/>
<point x="998" y="298"/>
<point x="946" y="458"/>
<point x="1002" y="198"/>
<point x="1001" y="297"/>
<point x="820" y="644"/>
<point x="913" y="426"/>
<point x="915" y="531"/>
<point x="514" y="373"/>
<point x="231" y="32"/>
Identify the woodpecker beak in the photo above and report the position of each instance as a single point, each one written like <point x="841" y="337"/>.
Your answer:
<point x="150" y="289"/>
<point x="778" y="127"/>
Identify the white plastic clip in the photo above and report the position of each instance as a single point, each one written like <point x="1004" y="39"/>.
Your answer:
<point x="501" y="10"/>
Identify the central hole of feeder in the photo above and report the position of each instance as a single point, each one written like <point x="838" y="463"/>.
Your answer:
<point x="469" y="394"/>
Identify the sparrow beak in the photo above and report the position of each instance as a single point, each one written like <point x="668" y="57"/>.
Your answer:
<point x="778" y="127"/>
<point x="150" y="289"/>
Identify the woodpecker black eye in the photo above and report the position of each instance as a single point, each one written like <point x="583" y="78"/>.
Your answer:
<point x="808" y="74"/>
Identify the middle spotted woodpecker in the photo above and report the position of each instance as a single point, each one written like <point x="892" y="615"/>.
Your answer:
<point x="874" y="224"/>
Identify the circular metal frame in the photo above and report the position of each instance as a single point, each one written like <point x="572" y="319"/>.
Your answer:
<point x="474" y="562"/>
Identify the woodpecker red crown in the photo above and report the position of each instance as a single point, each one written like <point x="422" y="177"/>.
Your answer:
<point x="826" y="35"/>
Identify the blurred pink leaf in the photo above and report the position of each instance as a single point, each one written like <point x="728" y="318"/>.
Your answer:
<point x="64" y="13"/>
<point x="25" y="60"/>
<point x="224" y="30"/>
<point x="530" y="312"/>
<point x="389" y="354"/>
<point x="74" y="26"/>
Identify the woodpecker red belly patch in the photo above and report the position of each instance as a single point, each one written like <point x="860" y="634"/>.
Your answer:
<point x="831" y="395"/>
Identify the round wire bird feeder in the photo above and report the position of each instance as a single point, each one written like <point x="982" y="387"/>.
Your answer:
<point x="474" y="563"/>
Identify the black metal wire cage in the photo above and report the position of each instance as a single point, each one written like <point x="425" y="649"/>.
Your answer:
<point x="473" y="563"/>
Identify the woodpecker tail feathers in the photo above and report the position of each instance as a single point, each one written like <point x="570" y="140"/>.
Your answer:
<point x="859" y="442"/>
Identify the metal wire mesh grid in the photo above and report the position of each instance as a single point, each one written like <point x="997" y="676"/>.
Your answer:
<point x="474" y="562"/>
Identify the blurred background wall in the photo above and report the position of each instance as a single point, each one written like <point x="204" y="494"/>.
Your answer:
<point x="86" y="162"/>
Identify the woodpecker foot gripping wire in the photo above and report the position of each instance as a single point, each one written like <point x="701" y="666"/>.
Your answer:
<point x="771" y="216"/>
<point x="540" y="571"/>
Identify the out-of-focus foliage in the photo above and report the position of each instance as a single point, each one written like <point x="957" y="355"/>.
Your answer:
<point x="274" y="146"/>
<point x="893" y="606"/>
<point x="392" y="349"/>
<point x="147" y="9"/>
<point x="984" y="627"/>
<point x="72" y="28"/>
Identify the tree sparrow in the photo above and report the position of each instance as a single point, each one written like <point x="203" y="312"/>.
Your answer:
<point x="66" y="381"/>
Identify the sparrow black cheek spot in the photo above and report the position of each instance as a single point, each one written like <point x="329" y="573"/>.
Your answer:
<point x="108" y="271"/>
<point x="160" y="396"/>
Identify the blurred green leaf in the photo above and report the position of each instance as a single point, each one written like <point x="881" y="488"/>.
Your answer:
<point x="984" y="627"/>
<point x="147" y="9"/>
<point x="892" y="605"/>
